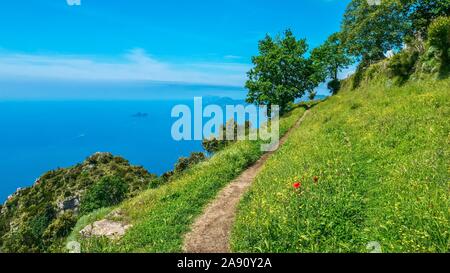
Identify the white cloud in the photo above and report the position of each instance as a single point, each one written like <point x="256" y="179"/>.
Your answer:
<point x="136" y="65"/>
<point x="232" y="57"/>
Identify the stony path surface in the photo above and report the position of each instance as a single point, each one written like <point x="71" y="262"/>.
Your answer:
<point x="211" y="231"/>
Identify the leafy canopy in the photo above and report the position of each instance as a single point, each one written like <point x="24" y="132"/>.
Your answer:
<point x="439" y="34"/>
<point x="421" y="13"/>
<point x="371" y="30"/>
<point x="281" y="73"/>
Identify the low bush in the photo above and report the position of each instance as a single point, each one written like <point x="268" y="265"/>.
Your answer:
<point x="214" y="144"/>
<point x="334" y="86"/>
<point x="439" y="35"/>
<point x="401" y="65"/>
<point x="109" y="191"/>
<point x="60" y="228"/>
<point x="185" y="163"/>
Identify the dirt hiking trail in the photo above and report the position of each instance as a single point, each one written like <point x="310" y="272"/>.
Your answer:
<point x="211" y="231"/>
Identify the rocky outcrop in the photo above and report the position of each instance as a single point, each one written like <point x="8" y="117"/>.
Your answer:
<point x="42" y="208"/>
<point x="70" y="203"/>
<point x="105" y="228"/>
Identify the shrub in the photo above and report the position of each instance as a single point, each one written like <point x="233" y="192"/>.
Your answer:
<point x="185" y="163"/>
<point x="167" y="175"/>
<point x="157" y="182"/>
<point x="359" y="75"/>
<point x="40" y="222"/>
<point x="334" y="86"/>
<point x="182" y="165"/>
<point x="61" y="227"/>
<point x="213" y="145"/>
<point x="109" y="191"/>
<point x="439" y="36"/>
<point x="430" y="61"/>
<point x="312" y="95"/>
<point x="402" y="65"/>
<point x="27" y="238"/>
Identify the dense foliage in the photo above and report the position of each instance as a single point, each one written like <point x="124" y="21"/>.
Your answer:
<point x="369" y="31"/>
<point x="185" y="163"/>
<point x="421" y="13"/>
<point x="439" y="37"/>
<point x="402" y="65"/>
<point x="109" y="191"/>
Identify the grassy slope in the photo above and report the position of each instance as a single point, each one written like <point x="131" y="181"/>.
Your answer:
<point x="382" y="157"/>
<point x="161" y="217"/>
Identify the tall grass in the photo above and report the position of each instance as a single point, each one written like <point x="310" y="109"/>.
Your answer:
<point x="381" y="158"/>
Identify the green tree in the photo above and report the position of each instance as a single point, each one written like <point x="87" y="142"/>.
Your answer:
<point x="330" y="59"/>
<point x="109" y="191"/>
<point x="369" y="31"/>
<point x="281" y="73"/>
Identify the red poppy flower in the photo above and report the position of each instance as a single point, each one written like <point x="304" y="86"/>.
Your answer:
<point x="297" y="185"/>
<point x="316" y="179"/>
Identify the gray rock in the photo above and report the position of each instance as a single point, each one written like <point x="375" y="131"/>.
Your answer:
<point x="105" y="228"/>
<point x="70" y="203"/>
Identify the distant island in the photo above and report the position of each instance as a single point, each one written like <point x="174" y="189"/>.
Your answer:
<point x="140" y="115"/>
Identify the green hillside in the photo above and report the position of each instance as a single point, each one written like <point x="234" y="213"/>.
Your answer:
<point x="160" y="217"/>
<point x="38" y="218"/>
<point x="373" y="166"/>
<point x="372" y="163"/>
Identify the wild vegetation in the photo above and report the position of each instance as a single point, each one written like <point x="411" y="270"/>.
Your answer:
<point x="182" y="165"/>
<point x="371" y="164"/>
<point x="367" y="165"/>
<point x="216" y="143"/>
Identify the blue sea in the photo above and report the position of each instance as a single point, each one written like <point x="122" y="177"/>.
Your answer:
<point x="42" y="128"/>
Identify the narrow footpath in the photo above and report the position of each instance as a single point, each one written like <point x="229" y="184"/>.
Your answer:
<point x="211" y="231"/>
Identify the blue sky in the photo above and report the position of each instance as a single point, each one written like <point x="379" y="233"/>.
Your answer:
<point x="196" y="41"/>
